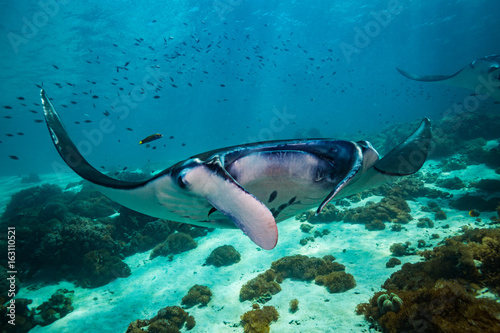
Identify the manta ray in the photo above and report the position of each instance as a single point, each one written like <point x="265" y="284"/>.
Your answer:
<point x="251" y="186"/>
<point x="482" y="76"/>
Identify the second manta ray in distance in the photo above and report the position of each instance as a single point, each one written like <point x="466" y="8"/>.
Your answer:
<point x="252" y="186"/>
<point x="481" y="76"/>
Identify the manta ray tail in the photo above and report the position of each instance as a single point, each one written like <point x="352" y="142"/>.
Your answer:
<point x="426" y="78"/>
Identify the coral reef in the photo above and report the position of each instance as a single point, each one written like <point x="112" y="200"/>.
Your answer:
<point x="469" y="202"/>
<point x="23" y="317"/>
<point x="304" y="227"/>
<point x="425" y="222"/>
<point x="444" y="307"/>
<point x="31" y="178"/>
<point x="100" y="267"/>
<point x="389" y="209"/>
<point x="262" y="284"/>
<point x="29" y="201"/>
<point x="389" y="302"/>
<point x="330" y="213"/>
<point x="393" y="262"/>
<point x="299" y="267"/>
<point x="257" y="320"/>
<point x="224" y="255"/>
<point x="176" y="243"/>
<point x="197" y="295"/>
<point x="294" y="305"/>
<point x="399" y="249"/>
<point x="336" y="282"/>
<point x="473" y="258"/>
<point x="58" y="306"/>
<point x="454" y="183"/>
<point x="168" y="320"/>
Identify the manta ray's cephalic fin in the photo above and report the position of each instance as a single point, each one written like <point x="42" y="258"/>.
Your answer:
<point x="248" y="213"/>
<point x="409" y="156"/>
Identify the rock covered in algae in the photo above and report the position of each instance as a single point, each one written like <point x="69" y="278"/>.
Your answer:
<point x="224" y="255"/>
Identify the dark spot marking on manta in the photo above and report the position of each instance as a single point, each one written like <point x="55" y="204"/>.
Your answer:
<point x="276" y="212"/>
<point x="212" y="210"/>
<point x="283" y="206"/>
<point x="292" y="200"/>
<point x="273" y="196"/>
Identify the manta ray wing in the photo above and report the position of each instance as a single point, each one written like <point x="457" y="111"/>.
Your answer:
<point x="481" y="76"/>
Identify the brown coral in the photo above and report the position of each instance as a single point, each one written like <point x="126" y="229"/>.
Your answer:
<point x="223" y="256"/>
<point x="389" y="209"/>
<point x="258" y="320"/>
<point x="168" y="320"/>
<point x="262" y="284"/>
<point x="197" y="295"/>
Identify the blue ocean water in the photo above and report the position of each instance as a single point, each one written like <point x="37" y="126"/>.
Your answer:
<point x="213" y="74"/>
<point x="306" y="64"/>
